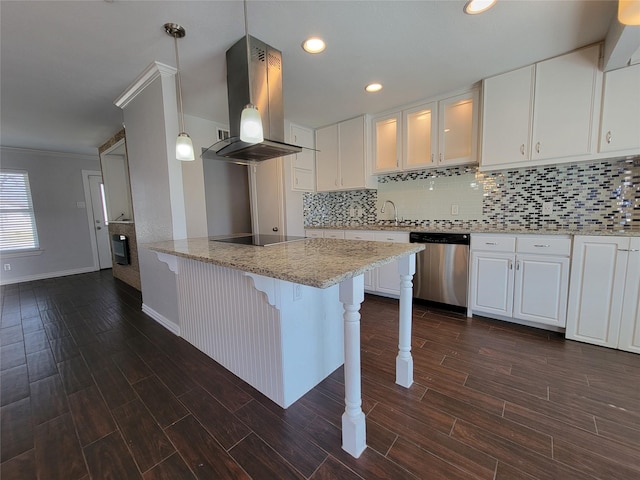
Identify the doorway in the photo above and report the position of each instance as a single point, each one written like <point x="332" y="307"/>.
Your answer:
<point x="97" y="215"/>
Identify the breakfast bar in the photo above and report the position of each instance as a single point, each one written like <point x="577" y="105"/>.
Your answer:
<point x="283" y="317"/>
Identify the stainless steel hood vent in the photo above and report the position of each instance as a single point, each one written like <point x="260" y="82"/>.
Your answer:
<point x="265" y="68"/>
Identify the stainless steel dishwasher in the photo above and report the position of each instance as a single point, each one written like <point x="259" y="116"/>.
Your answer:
<point x="442" y="268"/>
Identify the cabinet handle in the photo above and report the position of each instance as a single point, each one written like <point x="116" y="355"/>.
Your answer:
<point x="609" y="136"/>
<point x="518" y="265"/>
<point x="538" y="147"/>
<point x="433" y="157"/>
<point x="542" y="246"/>
<point x="440" y="158"/>
<point x="296" y="181"/>
<point x="491" y="243"/>
<point x="510" y="265"/>
<point x="522" y="149"/>
<point x="628" y="250"/>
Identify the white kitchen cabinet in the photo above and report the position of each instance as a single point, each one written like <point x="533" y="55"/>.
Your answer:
<point x="327" y="159"/>
<point x="543" y="113"/>
<point x="388" y="278"/>
<point x="620" y="126"/>
<point x="334" y="234"/>
<point x="629" y="338"/>
<point x="342" y="162"/>
<point x="387" y="146"/>
<point x="311" y="233"/>
<point x="439" y="133"/>
<point x="603" y="300"/>
<point x="384" y="280"/>
<point x="420" y="136"/>
<point x="520" y="277"/>
<point x="506" y="117"/>
<point x="458" y="127"/>
<point x="303" y="163"/>
<point x="369" y="276"/>
<point x="566" y="106"/>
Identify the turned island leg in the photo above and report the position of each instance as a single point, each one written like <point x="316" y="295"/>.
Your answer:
<point x="353" y="419"/>
<point x="404" y="360"/>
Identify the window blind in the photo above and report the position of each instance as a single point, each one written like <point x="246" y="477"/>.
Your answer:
<point x="17" y="220"/>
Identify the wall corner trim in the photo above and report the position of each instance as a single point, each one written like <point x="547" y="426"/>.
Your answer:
<point x="161" y="319"/>
<point x="153" y="71"/>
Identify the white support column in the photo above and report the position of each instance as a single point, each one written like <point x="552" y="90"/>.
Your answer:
<point x="404" y="361"/>
<point x="353" y="420"/>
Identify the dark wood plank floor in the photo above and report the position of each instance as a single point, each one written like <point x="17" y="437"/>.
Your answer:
<point x="93" y="388"/>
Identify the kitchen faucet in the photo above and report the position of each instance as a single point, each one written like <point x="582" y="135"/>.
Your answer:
<point x="395" y="210"/>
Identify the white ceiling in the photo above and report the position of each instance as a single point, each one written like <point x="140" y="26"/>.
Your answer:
<point x="63" y="63"/>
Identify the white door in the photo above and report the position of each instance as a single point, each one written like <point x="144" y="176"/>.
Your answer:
<point x="621" y="110"/>
<point x="492" y="283"/>
<point x="565" y="104"/>
<point x="597" y="289"/>
<point x="327" y="159"/>
<point x="506" y="123"/>
<point x="541" y="289"/>
<point x="266" y="201"/>
<point x="102" y="231"/>
<point x="629" y="339"/>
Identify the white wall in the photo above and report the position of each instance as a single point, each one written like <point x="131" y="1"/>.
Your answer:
<point x="216" y="192"/>
<point x="63" y="227"/>
<point x="156" y="188"/>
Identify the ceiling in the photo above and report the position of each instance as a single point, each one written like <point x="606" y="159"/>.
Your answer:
<point x="63" y="63"/>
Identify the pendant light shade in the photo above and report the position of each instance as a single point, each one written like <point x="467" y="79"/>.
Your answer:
<point x="251" y="125"/>
<point x="184" y="145"/>
<point x="629" y="12"/>
<point x="250" y="120"/>
<point x="184" y="148"/>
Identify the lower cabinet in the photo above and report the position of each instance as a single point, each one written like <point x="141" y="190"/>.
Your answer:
<point x="604" y="301"/>
<point x="522" y="277"/>
<point x="384" y="280"/>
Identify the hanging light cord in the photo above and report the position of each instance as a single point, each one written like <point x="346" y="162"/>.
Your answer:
<point x="246" y="37"/>
<point x="175" y="39"/>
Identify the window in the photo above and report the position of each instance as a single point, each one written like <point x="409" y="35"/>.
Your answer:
<point x="17" y="221"/>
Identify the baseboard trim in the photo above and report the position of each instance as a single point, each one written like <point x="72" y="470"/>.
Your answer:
<point x="161" y="319"/>
<point x="45" y="276"/>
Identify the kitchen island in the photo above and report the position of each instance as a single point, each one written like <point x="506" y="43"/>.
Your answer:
<point x="283" y="317"/>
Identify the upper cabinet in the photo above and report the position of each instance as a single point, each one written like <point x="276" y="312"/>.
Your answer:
<point x="543" y="113"/>
<point x="303" y="163"/>
<point x="620" y="127"/>
<point x="439" y="133"/>
<point x="342" y="162"/>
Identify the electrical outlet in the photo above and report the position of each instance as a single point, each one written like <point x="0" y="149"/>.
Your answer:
<point x="547" y="208"/>
<point x="7" y="267"/>
<point x="454" y="209"/>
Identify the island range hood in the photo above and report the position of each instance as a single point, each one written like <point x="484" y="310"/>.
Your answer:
<point x="265" y="68"/>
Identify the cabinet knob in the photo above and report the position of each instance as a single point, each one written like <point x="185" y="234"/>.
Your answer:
<point x="609" y="136"/>
<point x="275" y="229"/>
<point x="522" y="149"/>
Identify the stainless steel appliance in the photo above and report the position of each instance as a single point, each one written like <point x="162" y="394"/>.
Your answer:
<point x="264" y="66"/>
<point x="442" y="268"/>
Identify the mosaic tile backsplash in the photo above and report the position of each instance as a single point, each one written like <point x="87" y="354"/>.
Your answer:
<point x="586" y="196"/>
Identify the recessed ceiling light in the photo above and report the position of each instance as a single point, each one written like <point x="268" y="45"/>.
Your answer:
<point x="373" y="87"/>
<point x="313" y="45"/>
<point x="474" y="7"/>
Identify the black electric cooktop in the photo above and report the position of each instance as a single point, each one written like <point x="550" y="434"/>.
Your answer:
<point x="261" y="240"/>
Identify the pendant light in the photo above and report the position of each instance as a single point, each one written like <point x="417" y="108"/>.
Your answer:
<point x="629" y="12"/>
<point x="184" y="145"/>
<point x="250" y="120"/>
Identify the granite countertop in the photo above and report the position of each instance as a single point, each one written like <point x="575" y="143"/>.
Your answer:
<point x="497" y="230"/>
<point x="317" y="262"/>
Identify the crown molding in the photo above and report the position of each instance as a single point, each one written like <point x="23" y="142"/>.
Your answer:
<point x="51" y="153"/>
<point x="153" y="71"/>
